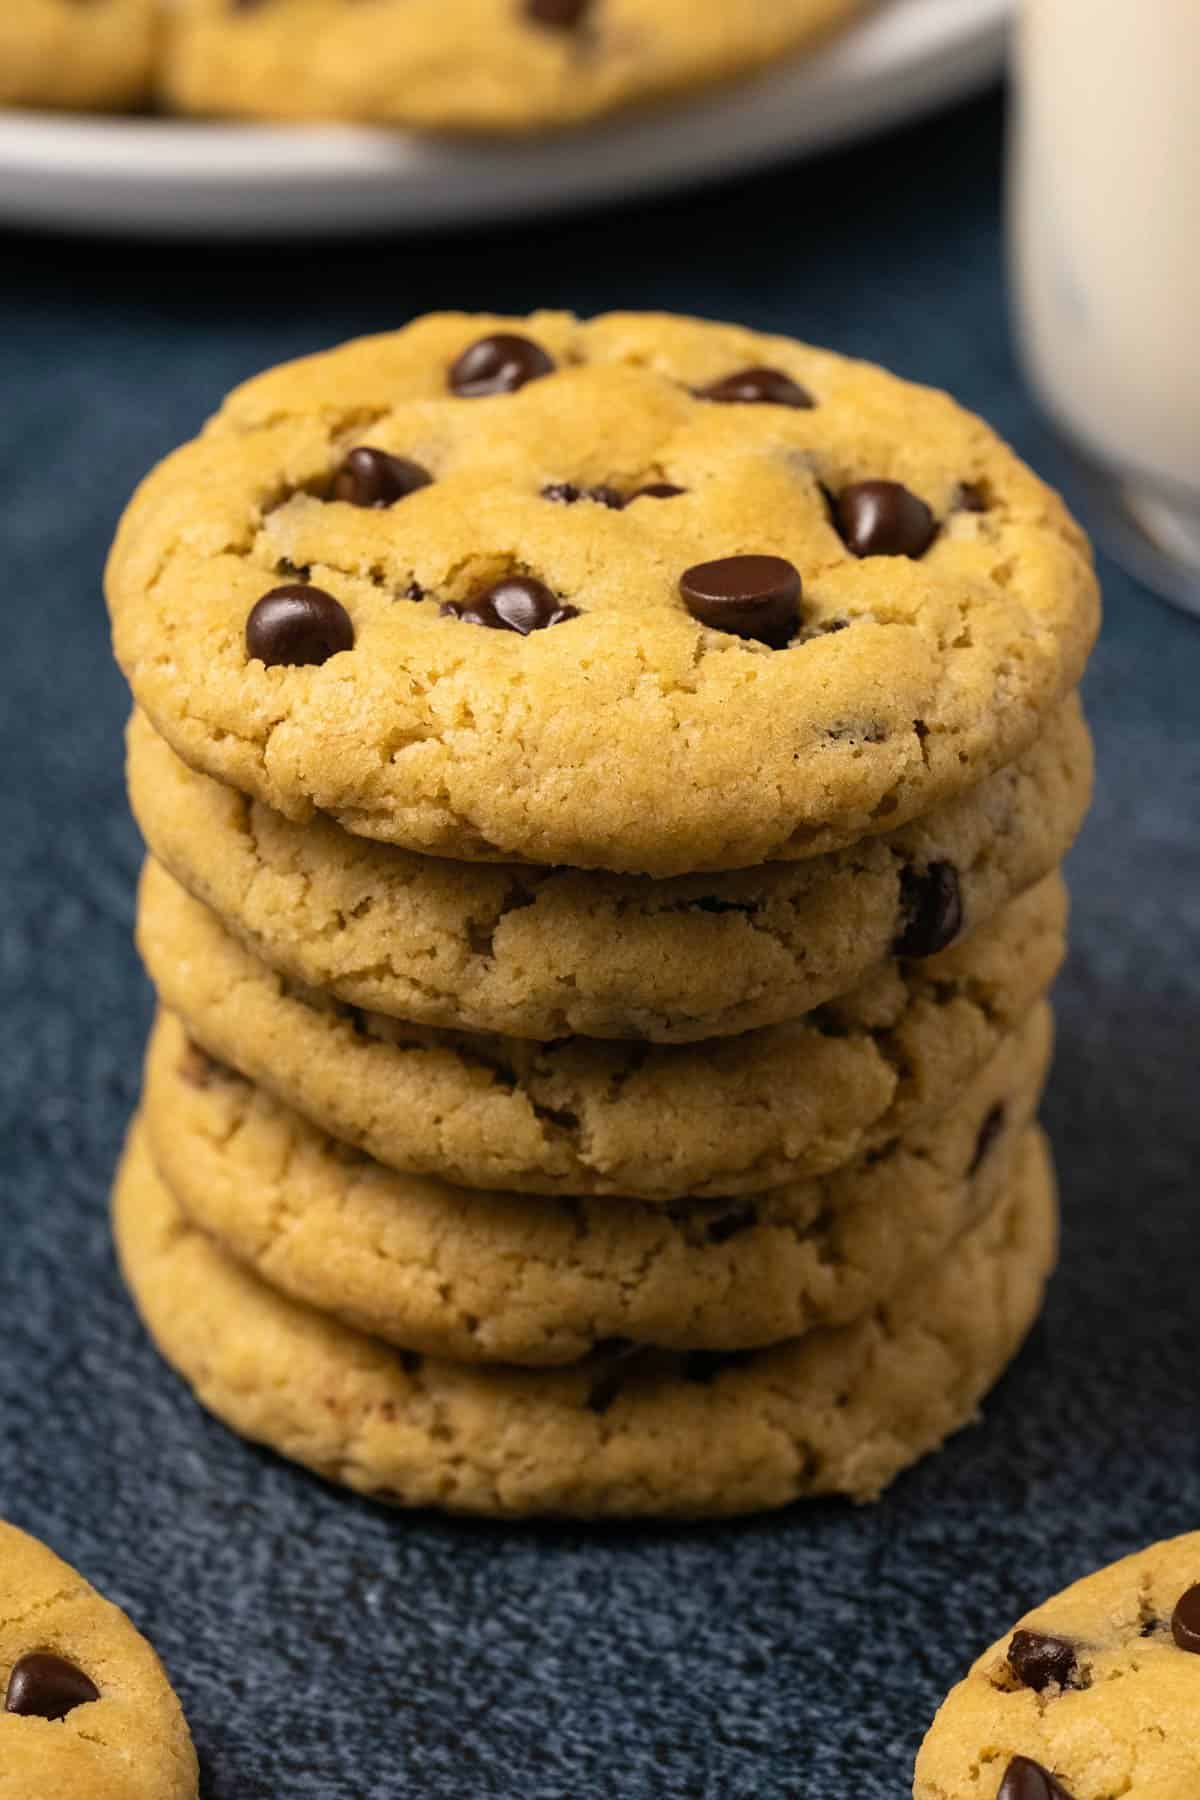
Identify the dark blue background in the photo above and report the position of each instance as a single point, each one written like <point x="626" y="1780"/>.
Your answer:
<point x="326" y="1648"/>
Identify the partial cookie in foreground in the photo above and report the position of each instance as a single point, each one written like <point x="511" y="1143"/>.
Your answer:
<point x="1096" y="1693"/>
<point x="653" y="1434"/>
<point x="644" y="594"/>
<point x="88" y="1712"/>
<point x="550" y="953"/>
<point x="512" y="66"/>
<point x="61" y="53"/>
<point x="583" y="1116"/>
<point x="506" y="1278"/>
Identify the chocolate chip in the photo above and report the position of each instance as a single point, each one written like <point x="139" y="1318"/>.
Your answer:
<point x="565" y="493"/>
<point x="1026" y="1780"/>
<point x="881" y="518"/>
<point x="560" y="15"/>
<point x="44" y="1686"/>
<point x="989" y="1131"/>
<point x="757" y="387"/>
<point x="1185" y="1621"/>
<point x="518" y="603"/>
<point x="376" y="478"/>
<point x="298" y="625"/>
<point x="655" y="490"/>
<point x="1040" y="1661"/>
<point x="931" y="903"/>
<point x="750" y="596"/>
<point x="499" y="364"/>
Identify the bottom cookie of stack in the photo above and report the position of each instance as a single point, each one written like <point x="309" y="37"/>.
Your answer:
<point x="621" y="1432"/>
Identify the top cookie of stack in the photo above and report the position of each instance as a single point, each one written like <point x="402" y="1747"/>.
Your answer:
<point x="743" y="601"/>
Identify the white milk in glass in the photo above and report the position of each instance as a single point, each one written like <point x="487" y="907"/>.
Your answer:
<point x="1105" y="202"/>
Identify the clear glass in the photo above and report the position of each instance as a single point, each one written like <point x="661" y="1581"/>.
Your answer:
<point x="1105" y="234"/>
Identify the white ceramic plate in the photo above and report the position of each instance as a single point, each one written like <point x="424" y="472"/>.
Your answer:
<point x="164" y="178"/>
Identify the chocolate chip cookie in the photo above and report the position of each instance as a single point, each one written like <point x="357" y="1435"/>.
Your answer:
<point x="580" y="1116"/>
<point x="1094" y="1694"/>
<point x="643" y="594"/>
<point x="485" y="1277"/>
<point x="553" y="953"/>
<point x="88" y="1712"/>
<point x="512" y="66"/>
<point x="652" y="1433"/>
<point x="76" y="53"/>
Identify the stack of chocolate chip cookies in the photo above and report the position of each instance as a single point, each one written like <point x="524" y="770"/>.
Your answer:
<point x="604" y="785"/>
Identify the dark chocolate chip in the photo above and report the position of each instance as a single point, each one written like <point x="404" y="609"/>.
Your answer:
<point x="518" y="603"/>
<point x="989" y="1131"/>
<point x="565" y="493"/>
<point x="655" y="490"/>
<point x="881" y="518"/>
<point x="411" y="1361"/>
<point x="376" y="478"/>
<point x="560" y="15"/>
<point x="757" y="387"/>
<point x="45" y="1686"/>
<point x="751" y="596"/>
<point x="1040" y="1661"/>
<point x="499" y="364"/>
<point x="1026" y="1780"/>
<point x="298" y="625"/>
<point x="931" y="904"/>
<point x="1185" y="1621"/>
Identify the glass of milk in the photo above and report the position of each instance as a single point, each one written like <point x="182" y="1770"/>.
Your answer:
<point x="1105" y="232"/>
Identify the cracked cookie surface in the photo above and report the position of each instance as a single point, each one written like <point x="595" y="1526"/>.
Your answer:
<point x="1098" y="1689"/>
<point x="551" y="953"/>
<point x="839" y="1411"/>
<point x="62" y="53"/>
<point x="473" y="65"/>
<point x="86" y="1710"/>
<point x="498" y="648"/>
<point x="487" y="1277"/>
<point x="582" y="1116"/>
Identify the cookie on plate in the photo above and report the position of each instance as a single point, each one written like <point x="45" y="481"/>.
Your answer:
<point x="649" y="1433"/>
<point x="1095" y="1693"/>
<point x="584" y="1116"/>
<point x="643" y="594"/>
<point x="512" y="66"/>
<point x="61" y="53"/>
<point x="478" y="1276"/>
<point x="88" y="1712"/>
<point x="552" y="953"/>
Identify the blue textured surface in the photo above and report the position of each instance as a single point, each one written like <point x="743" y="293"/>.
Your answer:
<point x="325" y="1648"/>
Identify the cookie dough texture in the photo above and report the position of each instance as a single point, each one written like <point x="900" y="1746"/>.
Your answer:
<point x="1125" y="1724"/>
<point x="837" y="1411"/>
<point x="130" y="1744"/>
<point x="657" y="1122"/>
<point x="75" y="53"/>
<point x="629" y="737"/>
<point x="504" y="1278"/>
<point x="472" y="65"/>
<point x="551" y="953"/>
